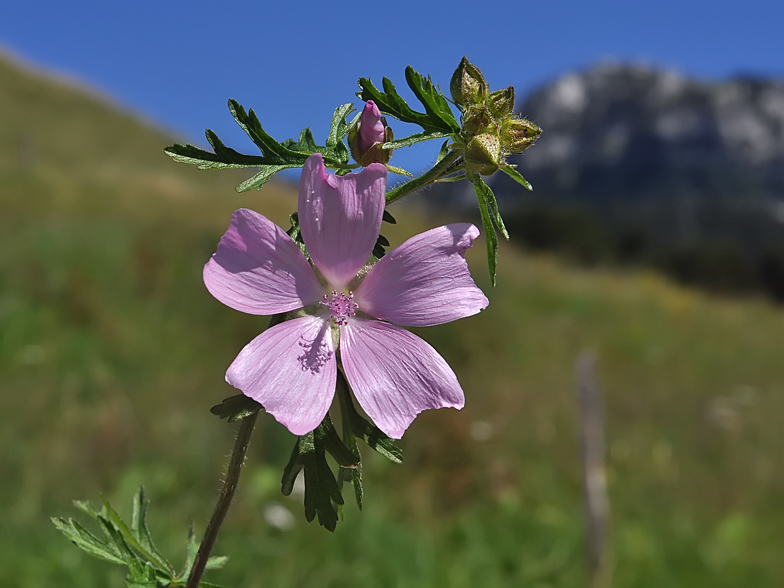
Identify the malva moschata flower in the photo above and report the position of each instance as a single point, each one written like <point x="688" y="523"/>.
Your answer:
<point x="347" y="310"/>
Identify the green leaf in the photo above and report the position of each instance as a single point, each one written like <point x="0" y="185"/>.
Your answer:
<point x="235" y="408"/>
<point x="274" y="152"/>
<point x="263" y="176"/>
<point x="413" y="139"/>
<point x="139" y="529"/>
<point x="485" y="194"/>
<point x="490" y="236"/>
<point x="434" y="101"/>
<point x="399" y="171"/>
<point x="216" y="562"/>
<point x="389" y="102"/>
<point x="86" y="541"/>
<point x="515" y="175"/>
<point x="368" y="432"/>
<point x="129" y="540"/>
<point x="338" y="129"/>
<point x="141" y="575"/>
<point x="327" y="436"/>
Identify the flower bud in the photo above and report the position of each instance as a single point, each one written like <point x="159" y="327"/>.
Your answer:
<point x="483" y="154"/>
<point x="467" y="86"/>
<point x="518" y="134"/>
<point x="476" y="119"/>
<point x="501" y="102"/>
<point x="366" y="138"/>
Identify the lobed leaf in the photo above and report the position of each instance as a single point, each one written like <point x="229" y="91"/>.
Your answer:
<point x="434" y="101"/>
<point x="235" y="408"/>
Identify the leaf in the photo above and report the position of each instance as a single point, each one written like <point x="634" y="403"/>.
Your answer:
<point x="369" y="433"/>
<point x="139" y="529"/>
<point x="327" y="436"/>
<point x="235" y="408"/>
<point x="433" y="100"/>
<point x="216" y="562"/>
<point x="338" y="129"/>
<point x="488" y="198"/>
<point x="86" y="541"/>
<point x="515" y="175"/>
<point x="399" y="171"/>
<point x="141" y="575"/>
<point x="274" y="152"/>
<point x="389" y="102"/>
<point x="388" y="218"/>
<point x="264" y="175"/>
<point x="413" y="139"/>
<point x="129" y="539"/>
<point x="490" y="236"/>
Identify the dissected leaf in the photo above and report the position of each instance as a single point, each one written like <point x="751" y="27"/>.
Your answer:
<point x="412" y="139"/>
<point x="434" y="101"/>
<point x="86" y="541"/>
<point x="235" y="408"/>
<point x="485" y="194"/>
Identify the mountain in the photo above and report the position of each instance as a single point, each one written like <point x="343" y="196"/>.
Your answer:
<point x="647" y="165"/>
<point x="627" y="131"/>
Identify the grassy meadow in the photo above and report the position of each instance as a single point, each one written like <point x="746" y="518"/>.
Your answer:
<point x="112" y="353"/>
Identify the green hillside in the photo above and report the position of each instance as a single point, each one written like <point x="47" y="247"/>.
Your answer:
<point x="112" y="352"/>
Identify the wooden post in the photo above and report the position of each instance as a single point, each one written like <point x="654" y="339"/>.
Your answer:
<point x="592" y="447"/>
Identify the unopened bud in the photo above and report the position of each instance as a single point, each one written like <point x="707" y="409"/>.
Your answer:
<point x="366" y="138"/>
<point x="483" y="154"/>
<point x="467" y="86"/>
<point x="518" y="134"/>
<point x="501" y="102"/>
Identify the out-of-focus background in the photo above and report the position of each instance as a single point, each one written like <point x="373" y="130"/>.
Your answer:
<point x="654" y="238"/>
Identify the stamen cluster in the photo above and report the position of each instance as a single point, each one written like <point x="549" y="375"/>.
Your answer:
<point x="341" y="306"/>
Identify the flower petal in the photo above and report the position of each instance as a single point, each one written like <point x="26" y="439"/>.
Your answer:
<point x="395" y="375"/>
<point x="291" y="370"/>
<point x="340" y="217"/>
<point x="258" y="269"/>
<point x="425" y="281"/>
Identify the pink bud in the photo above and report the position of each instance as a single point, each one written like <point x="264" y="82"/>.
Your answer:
<point x="371" y="127"/>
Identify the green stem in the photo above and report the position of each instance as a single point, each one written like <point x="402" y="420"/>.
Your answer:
<point x="441" y="169"/>
<point x="224" y="501"/>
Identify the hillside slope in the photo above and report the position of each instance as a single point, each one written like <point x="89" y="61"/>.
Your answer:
<point x="112" y="352"/>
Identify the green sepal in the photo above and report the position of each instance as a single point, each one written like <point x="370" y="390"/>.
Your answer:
<point x="413" y="139"/>
<point x="490" y="236"/>
<point x="434" y="119"/>
<point x="378" y="248"/>
<point x="388" y="218"/>
<point x="235" y="408"/>
<point x="515" y="175"/>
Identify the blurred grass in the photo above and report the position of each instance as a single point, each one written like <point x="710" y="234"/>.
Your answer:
<point x="112" y="352"/>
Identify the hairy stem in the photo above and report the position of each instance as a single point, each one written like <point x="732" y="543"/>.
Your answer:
<point x="441" y="169"/>
<point x="224" y="501"/>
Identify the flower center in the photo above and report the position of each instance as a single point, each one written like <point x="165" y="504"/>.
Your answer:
<point x="341" y="306"/>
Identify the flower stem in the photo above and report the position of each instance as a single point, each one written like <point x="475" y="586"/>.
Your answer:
<point x="440" y="169"/>
<point x="224" y="501"/>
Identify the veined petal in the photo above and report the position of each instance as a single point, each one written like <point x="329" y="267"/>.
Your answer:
<point x="425" y="281"/>
<point x="395" y="375"/>
<point x="290" y="369"/>
<point x="340" y="217"/>
<point x="258" y="269"/>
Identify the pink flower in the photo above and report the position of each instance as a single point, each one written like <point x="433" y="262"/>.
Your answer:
<point x="371" y="127"/>
<point x="291" y="368"/>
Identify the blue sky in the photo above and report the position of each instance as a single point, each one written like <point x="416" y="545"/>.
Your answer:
<point x="177" y="62"/>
